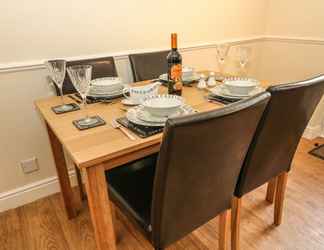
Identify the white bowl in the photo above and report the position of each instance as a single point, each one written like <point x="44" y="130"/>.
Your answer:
<point x="107" y="84"/>
<point x="187" y="72"/>
<point x="163" y="105"/>
<point x="241" y="86"/>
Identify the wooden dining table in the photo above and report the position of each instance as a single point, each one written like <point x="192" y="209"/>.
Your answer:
<point x="99" y="149"/>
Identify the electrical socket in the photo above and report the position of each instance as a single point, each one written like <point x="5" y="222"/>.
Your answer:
<point x="30" y="165"/>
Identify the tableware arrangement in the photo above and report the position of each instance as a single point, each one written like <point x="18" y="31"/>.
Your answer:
<point x="106" y="87"/>
<point x="138" y="93"/>
<point x="240" y="86"/>
<point x="140" y="116"/>
<point x="222" y="54"/>
<point x="236" y="88"/>
<point x="116" y="125"/>
<point x="188" y="75"/>
<point x="57" y="71"/>
<point x="81" y="77"/>
<point x="162" y="105"/>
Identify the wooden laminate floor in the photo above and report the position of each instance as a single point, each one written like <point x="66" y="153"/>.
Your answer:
<point x="43" y="225"/>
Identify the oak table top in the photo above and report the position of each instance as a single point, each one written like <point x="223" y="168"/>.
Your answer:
<point x="104" y="143"/>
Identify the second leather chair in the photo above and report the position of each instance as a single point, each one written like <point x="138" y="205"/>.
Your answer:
<point x="274" y="144"/>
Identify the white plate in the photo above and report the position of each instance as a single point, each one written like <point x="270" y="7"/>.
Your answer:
<point x="106" y="81"/>
<point x="222" y="91"/>
<point x="147" y="117"/>
<point x="193" y="78"/>
<point x="128" y="102"/>
<point x="110" y="95"/>
<point x="132" y="116"/>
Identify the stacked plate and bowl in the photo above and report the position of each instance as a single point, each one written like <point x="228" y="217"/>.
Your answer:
<point x="155" y="110"/>
<point x="237" y="88"/>
<point x="106" y="88"/>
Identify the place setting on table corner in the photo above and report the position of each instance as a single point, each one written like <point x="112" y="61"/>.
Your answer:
<point x="150" y="104"/>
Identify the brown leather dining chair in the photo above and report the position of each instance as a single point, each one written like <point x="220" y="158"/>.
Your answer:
<point x="148" y="66"/>
<point x="101" y="67"/>
<point x="192" y="179"/>
<point x="271" y="152"/>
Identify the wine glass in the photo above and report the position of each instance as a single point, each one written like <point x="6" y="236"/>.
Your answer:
<point x="243" y="54"/>
<point x="81" y="77"/>
<point x="57" y="71"/>
<point x="222" y="53"/>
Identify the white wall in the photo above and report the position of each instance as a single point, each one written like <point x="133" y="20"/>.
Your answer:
<point x="37" y="30"/>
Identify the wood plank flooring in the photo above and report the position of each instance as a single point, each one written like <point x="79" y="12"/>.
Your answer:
<point x="43" y="225"/>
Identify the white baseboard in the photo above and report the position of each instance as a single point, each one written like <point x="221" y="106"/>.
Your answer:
<point x="31" y="192"/>
<point x="311" y="132"/>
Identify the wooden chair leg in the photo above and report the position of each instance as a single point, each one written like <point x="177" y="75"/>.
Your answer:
<point x="271" y="190"/>
<point x="280" y="195"/>
<point x="80" y="184"/>
<point x="223" y="230"/>
<point x="235" y="223"/>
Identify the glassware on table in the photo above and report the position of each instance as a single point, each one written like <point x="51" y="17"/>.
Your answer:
<point x="81" y="78"/>
<point x="244" y="55"/>
<point x="57" y="71"/>
<point x="222" y="53"/>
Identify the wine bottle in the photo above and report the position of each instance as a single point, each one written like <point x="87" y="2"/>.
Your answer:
<point x="174" y="68"/>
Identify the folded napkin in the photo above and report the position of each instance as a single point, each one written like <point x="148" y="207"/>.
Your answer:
<point x="222" y="99"/>
<point x="140" y="130"/>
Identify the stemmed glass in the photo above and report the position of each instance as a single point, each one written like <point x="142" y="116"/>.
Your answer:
<point x="243" y="54"/>
<point x="57" y="71"/>
<point x="81" y="77"/>
<point x="222" y="53"/>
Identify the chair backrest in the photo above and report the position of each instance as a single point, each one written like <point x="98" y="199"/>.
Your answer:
<point x="279" y="132"/>
<point x="148" y="66"/>
<point x="101" y="67"/>
<point x="199" y="162"/>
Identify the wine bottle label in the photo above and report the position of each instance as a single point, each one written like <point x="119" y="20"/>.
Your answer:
<point x="176" y="72"/>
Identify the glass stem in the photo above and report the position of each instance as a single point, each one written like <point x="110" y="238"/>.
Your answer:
<point x="84" y="104"/>
<point x="61" y="93"/>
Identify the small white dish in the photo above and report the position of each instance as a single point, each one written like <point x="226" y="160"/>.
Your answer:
<point x="129" y="102"/>
<point x="163" y="105"/>
<point x="241" y="86"/>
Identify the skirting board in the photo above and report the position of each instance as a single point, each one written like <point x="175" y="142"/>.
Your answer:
<point x="311" y="132"/>
<point x="32" y="192"/>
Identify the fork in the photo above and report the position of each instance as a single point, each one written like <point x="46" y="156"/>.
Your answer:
<point x="116" y="125"/>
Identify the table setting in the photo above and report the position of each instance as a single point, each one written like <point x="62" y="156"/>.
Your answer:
<point x="234" y="89"/>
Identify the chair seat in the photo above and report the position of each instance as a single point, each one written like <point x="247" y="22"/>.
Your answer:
<point x="131" y="186"/>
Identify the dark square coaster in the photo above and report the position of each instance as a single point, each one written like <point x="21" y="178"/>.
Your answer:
<point x="318" y="152"/>
<point x="139" y="130"/>
<point x="100" y="122"/>
<point x="58" y="111"/>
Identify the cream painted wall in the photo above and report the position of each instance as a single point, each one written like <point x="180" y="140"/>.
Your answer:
<point x="291" y="18"/>
<point x="40" y="29"/>
<point x="36" y="30"/>
<point x="292" y="60"/>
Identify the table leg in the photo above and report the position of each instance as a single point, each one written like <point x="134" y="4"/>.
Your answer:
<point x="99" y="206"/>
<point x="80" y="183"/>
<point x="63" y="175"/>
